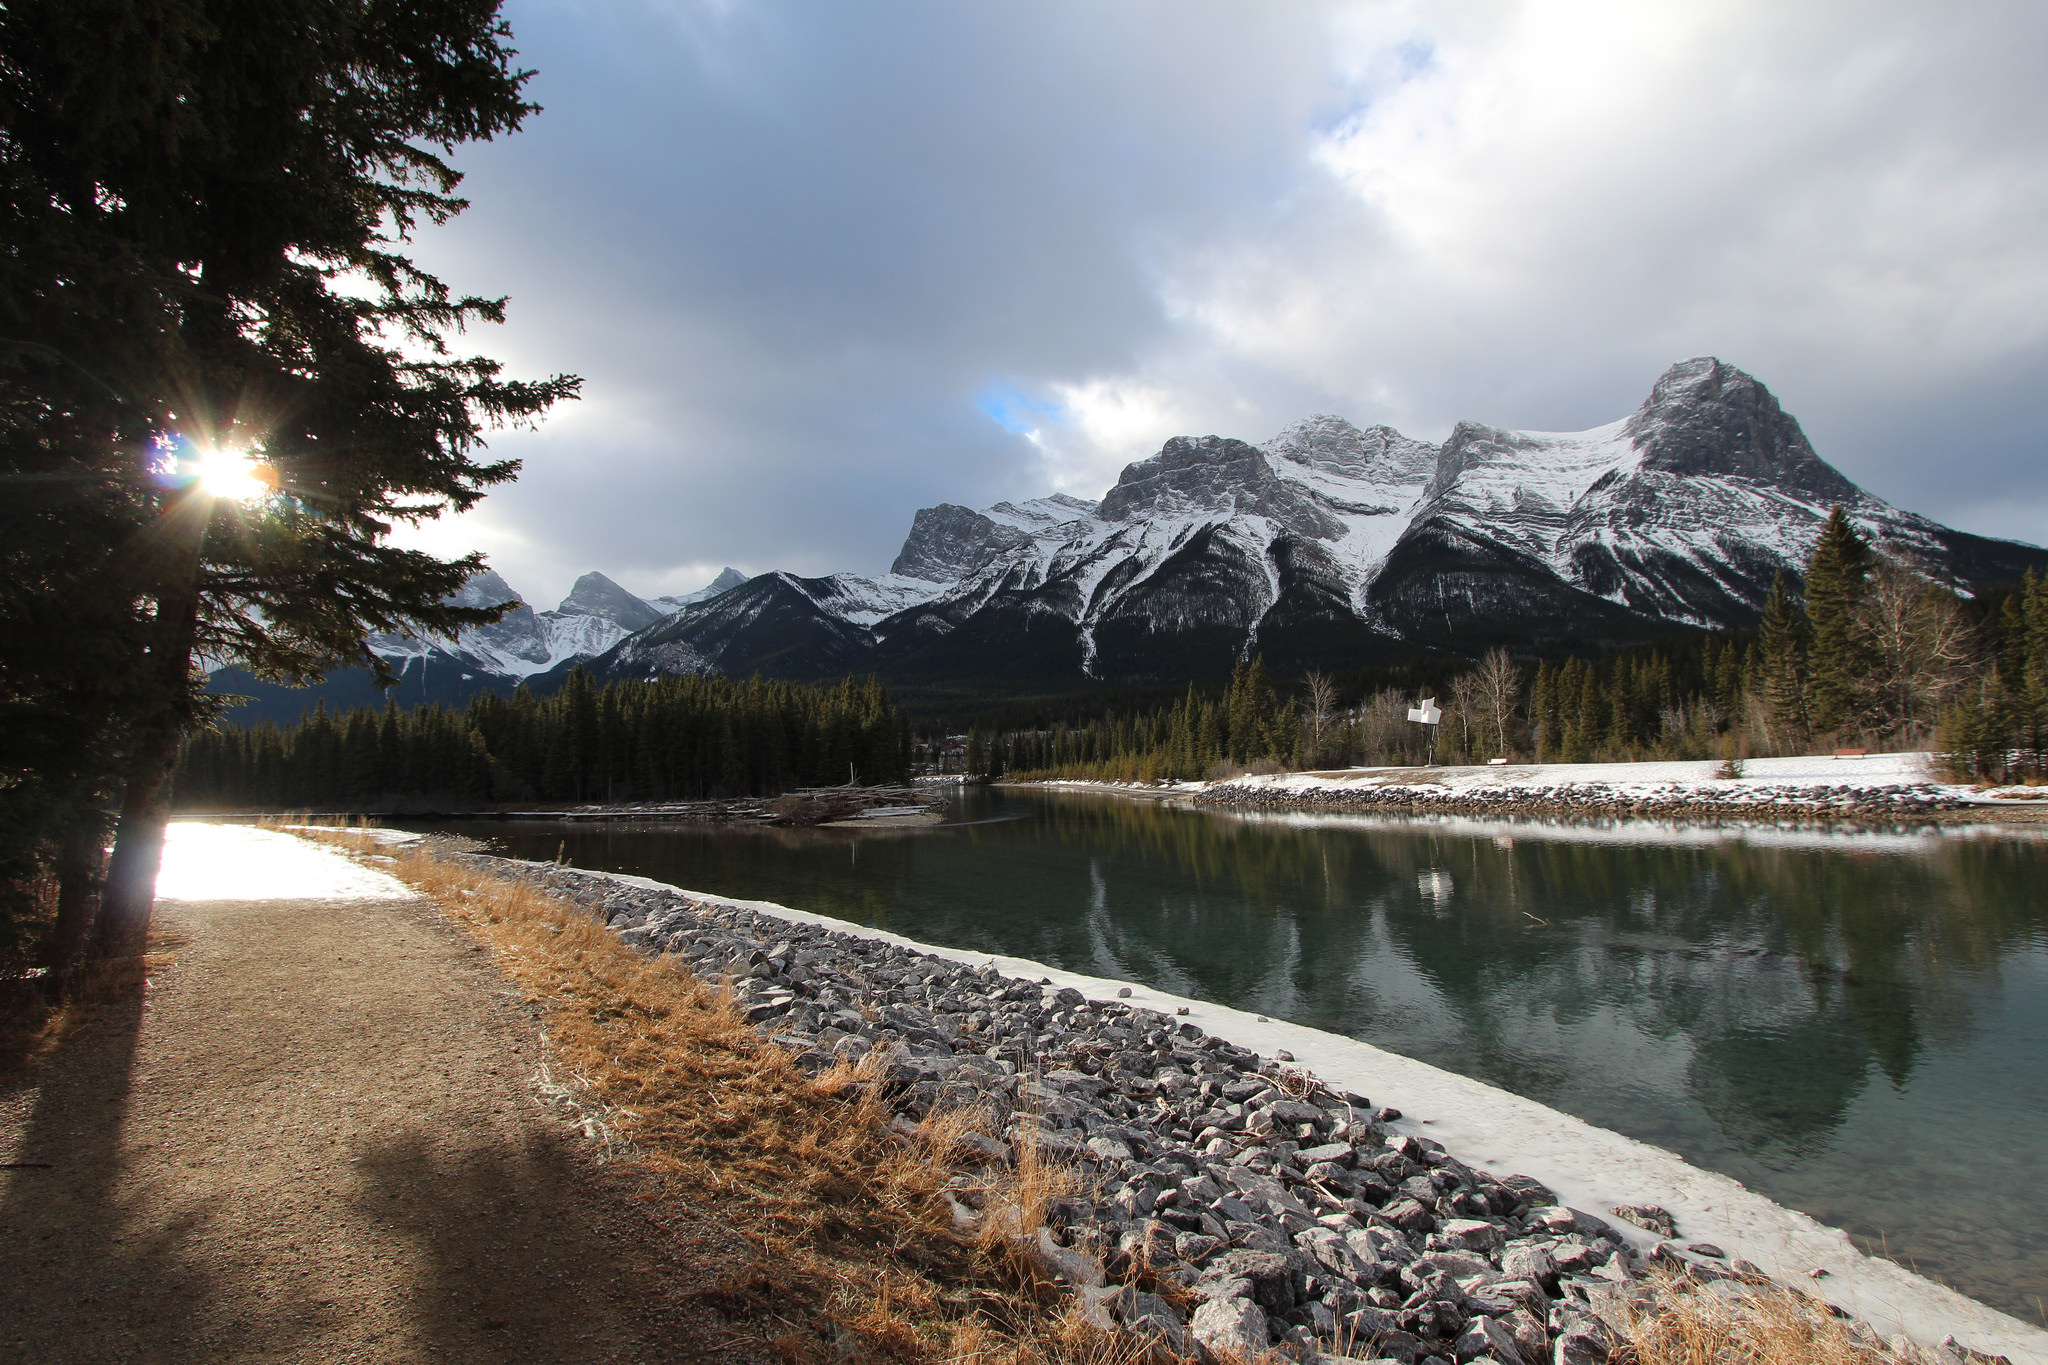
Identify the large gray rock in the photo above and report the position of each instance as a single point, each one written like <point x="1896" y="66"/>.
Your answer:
<point x="1533" y="1263"/>
<point x="1485" y="1336"/>
<point x="1235" y="1326"/>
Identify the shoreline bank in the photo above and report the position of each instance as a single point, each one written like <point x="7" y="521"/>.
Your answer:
<point x="1883" y="789"/>
<point x="1489" y="1134"/>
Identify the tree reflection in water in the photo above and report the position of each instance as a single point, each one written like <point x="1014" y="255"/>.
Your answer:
<point x="1799" y="1010"/>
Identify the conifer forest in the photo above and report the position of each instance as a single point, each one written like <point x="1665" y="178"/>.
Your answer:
<point x="670" y="739"/>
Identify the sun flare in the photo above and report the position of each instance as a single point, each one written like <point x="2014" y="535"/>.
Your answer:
<point x="233" y="474"/>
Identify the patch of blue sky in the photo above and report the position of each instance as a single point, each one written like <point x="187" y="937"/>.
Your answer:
<point x="1391" y="68"/>
<point x="1416" y="56"/>
<point x="1018" y="412"/>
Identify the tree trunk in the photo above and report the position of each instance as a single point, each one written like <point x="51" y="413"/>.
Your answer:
<point x="81" y="855"/>
<point x="145" y="799"/>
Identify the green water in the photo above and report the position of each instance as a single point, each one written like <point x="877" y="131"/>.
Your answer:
<point x="1854" y="1025"/>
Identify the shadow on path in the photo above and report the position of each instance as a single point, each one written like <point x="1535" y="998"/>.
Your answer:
<point x="313" y="1139"/>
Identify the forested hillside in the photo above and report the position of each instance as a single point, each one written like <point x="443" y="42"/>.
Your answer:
<point x="1871" y="655"/>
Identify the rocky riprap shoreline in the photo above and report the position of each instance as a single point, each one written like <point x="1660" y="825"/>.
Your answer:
<point x="1289" y="1216"/>
<point x="1835" y="801"/>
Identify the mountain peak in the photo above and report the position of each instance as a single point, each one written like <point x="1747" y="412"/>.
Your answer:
<point x="948" y="542"/>
<point x="1214" y="476"/>
<point x="1704" y="416"/>
<point x="595" y="595"/>
<point x="483" y="589"/>
<point x="1190" y="473"/>
<point x="728" y="579"/>
<point x="1334" y="446"/>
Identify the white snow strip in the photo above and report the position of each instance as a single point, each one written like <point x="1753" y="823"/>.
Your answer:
<point x="1873" y="770"/>
<point x="239" y="863"/>
<point x="1674" y="833"/>
<point x="1590" y="1168"/>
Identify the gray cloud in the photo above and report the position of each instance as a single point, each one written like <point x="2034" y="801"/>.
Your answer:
<point x="799" y="252"/>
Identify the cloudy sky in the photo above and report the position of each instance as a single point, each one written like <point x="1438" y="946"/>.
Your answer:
<point x="822" y="264"/>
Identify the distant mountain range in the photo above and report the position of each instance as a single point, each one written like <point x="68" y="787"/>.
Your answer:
<point x="1328" y="545"/>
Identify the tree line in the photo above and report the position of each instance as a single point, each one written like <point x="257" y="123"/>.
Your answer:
<point x="1863" y="651"/>
<point x="666" y="739"/>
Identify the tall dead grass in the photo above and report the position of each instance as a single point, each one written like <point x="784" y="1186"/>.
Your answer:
<point x="1690" y="1322"/>
<point x="855" y="1248"/>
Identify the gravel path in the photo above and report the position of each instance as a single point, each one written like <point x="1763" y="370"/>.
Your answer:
<point x="317" y="1140"/>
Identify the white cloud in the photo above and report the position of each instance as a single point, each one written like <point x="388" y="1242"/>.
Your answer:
<point x="1847" y="197"/>
<point x="1105" y="424"/>
<point x="788" y="248"/>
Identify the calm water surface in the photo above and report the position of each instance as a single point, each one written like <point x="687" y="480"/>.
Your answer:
<point x="1854" y="1025"/>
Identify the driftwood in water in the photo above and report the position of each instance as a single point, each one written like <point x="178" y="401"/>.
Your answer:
<point x="826" y="805"/>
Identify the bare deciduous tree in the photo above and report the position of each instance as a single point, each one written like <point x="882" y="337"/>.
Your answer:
<point x="1383" y="728"/>
<point x="1920" y="644"/>
<point x="1469" y="705"/>
<point x="1319" y="709"/>
<point x="1500" y="683"/>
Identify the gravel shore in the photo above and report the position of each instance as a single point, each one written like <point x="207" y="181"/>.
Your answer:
<point x="1294" y="1215"/>
<point x="1832" y="803"/>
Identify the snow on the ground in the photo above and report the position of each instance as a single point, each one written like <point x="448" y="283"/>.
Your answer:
<point x="1669" y="832"/>
<point x="1590" y="1168"/>
<point x="240" y="863"/>
<point x="1758" y="775"/>
<point x="1763" y="780"/>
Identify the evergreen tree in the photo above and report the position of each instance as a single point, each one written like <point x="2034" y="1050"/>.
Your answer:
<point x="1543" y="705"/>
<point x="195" y="193"/>
<point x="1782" y="652"/>
<point x="1837" y="578"/>
<point x="1727" y="674"/>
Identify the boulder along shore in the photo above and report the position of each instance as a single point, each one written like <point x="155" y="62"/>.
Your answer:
<point x="1292" y="1212"/>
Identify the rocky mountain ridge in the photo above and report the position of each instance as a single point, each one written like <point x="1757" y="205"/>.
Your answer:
<point x="595" y="616"/>
<point x="1336" y="545"/>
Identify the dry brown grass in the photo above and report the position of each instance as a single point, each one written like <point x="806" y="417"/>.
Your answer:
<point x="853" y="1252"/>
<point x="1689" y="1322"/>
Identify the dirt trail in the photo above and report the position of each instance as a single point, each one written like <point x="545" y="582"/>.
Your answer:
<point x="317" y="1140"/>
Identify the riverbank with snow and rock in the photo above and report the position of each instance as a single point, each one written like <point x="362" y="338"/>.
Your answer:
<point x="1874" y="787"/>
<point x="1438" y="1218"/>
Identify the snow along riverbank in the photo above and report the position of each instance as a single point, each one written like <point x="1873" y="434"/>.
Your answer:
<point x="1811" y="788"/>
<point x="1492" y="1132"/>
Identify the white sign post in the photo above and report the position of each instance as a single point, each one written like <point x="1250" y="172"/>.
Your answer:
<point x="1430" y="714"/>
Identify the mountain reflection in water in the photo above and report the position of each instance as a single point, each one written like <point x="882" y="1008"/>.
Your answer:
<point x="1843" y="1022"/>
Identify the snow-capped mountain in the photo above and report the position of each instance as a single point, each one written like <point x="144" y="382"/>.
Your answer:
<point x="1334" y="545"/>
<point x="596" y="615"/>
<point x="728" y="578"/>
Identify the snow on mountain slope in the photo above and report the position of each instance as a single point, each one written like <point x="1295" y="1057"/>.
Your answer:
<point x="1682" y="513"/>
<point x="596" y="615"/>
<point x="728" y="579"/>
<point x="1210" y="535"/>
<point x="515" y="646"/>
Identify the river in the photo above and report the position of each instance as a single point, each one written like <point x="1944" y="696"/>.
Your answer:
<point x="1855" y="1025"/>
